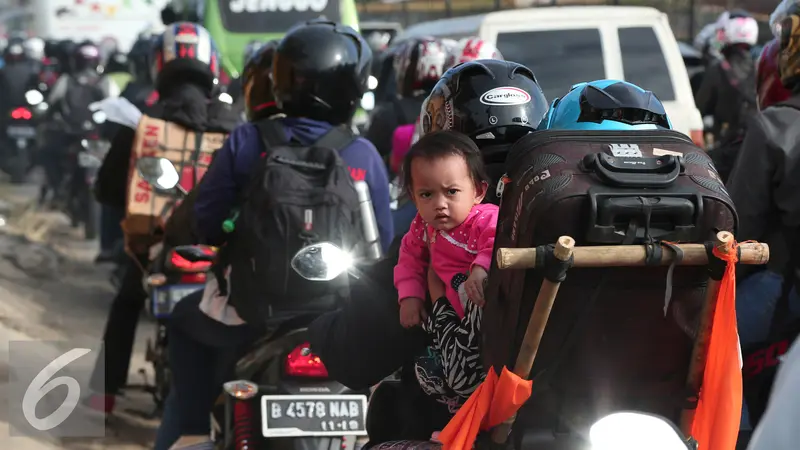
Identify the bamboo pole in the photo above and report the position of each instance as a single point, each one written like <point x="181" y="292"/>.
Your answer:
<point x="630" y="255"/>
<point x="697" y="364"/>
<point x="536" y="326"/>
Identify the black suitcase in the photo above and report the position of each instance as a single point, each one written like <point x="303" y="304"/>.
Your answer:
<point x="608" y="345"/>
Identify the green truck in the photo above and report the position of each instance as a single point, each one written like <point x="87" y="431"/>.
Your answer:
<point x="235" y="23"/>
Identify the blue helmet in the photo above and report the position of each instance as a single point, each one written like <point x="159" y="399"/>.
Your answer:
<point x="607" y="105"/>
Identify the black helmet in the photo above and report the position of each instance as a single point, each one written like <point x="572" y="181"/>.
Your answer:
<point x="256" y="83"/>
<point x="117" y="63"/>
<point x="140" y="59"/>
<point x="251" y="48"/>
<point x="321" y="71"/>
<point x="185" y="52"/>
<point x="51" y="48"/>
<point x="86" y="56"/>
<point x="492" y="101"/>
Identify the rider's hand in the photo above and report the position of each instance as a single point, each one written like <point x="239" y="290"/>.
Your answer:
<point x="475" y="284"/>
<point x="412" y="312"/>
<point x="435" y="285"/>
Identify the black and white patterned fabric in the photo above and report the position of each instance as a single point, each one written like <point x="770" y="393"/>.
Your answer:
<point x="451" y="369"/>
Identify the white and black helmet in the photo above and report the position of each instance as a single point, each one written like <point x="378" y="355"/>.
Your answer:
<point x="185" y="52"/>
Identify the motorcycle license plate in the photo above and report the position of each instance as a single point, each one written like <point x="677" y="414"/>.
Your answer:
<point x="165" y="298"/>
<point x="17" y="132"/>
<point x="89" y="161"/>
<point x="313" y="415"/>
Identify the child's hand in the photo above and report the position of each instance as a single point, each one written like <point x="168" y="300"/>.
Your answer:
<point x="474" y="285"/>
<point x="435" y="285"/>
<point x="412" y="312"/>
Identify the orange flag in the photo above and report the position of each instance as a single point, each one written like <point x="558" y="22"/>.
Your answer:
<point x="719" y="409"/>
<point x="494" y="401"/>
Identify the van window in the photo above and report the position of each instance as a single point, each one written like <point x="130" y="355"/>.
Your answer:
<point x="558" y="58"/>
<point x="643" y="62"/>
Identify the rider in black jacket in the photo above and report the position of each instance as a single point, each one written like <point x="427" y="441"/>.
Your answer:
<point x="418" y="65"/>
<point x="185" y="85"/>
<point x="140" y="91"/>
<point x="728" y="91"/>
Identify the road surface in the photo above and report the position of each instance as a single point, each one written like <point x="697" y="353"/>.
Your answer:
<point x="51" y="290"/>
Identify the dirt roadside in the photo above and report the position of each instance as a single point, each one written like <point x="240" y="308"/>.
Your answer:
<point x="51" y="290"/>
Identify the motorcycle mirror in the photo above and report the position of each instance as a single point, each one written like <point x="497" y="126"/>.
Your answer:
<point x="99" y="117"/>
<point x="321" y="262"/>
<point x="196" y="253"/>
<point x="158" y="172"/>
<point x="634" y="430"/>
<point x="368" y="101"/>
<point x="34" y="97"/>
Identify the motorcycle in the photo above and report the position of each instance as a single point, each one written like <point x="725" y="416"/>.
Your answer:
<point x="21" y="136"/>
<point x="85" y="157"/>
<point x="284" y="398"/>
<point x="173" y="274"/>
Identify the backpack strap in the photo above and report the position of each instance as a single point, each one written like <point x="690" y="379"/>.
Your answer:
<point x="335" y="139"/>
<point x="271" y="132"/>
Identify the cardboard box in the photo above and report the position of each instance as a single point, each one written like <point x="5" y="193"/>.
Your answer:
<point x="147" y="210"/>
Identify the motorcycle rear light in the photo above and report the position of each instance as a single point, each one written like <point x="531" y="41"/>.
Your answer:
<point x="193" y="278"/>
<point x="179" y="262"/>
<point x="21" y="114"/>
<point x="300" y="362"/>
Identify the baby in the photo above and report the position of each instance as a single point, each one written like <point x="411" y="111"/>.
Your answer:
<point x="453" y="232"/>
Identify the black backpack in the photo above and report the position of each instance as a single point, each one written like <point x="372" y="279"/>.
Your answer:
<point x="299" y="195"/>
<point x="77" y="98"/>
<point x="744" y="84"/>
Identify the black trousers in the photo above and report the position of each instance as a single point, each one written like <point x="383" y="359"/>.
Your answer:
<point x="202" y="356"/>
<point x="120" y="332"/>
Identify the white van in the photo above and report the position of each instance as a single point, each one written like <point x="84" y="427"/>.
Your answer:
<point x="565" y="45"/>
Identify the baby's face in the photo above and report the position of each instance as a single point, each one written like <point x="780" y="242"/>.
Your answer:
<point x="444" y="191"/>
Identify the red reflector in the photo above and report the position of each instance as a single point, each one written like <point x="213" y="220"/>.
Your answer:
<point x="21" y="114"/>
<point x="181" y="263"/>
<point x="242" y="424"/>
<point x="302" y="363"/>
<point x="193" y="278"/>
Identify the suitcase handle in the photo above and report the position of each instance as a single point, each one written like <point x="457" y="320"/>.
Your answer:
<point x="657" y="172"/>
<point x="665" y="215"/>
<point x="679" y="210"/>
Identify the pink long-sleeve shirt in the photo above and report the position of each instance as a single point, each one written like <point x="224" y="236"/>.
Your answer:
<point x="450" y="252"/>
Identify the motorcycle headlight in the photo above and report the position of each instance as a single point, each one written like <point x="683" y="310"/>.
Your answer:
<point x="635" y="431"/>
